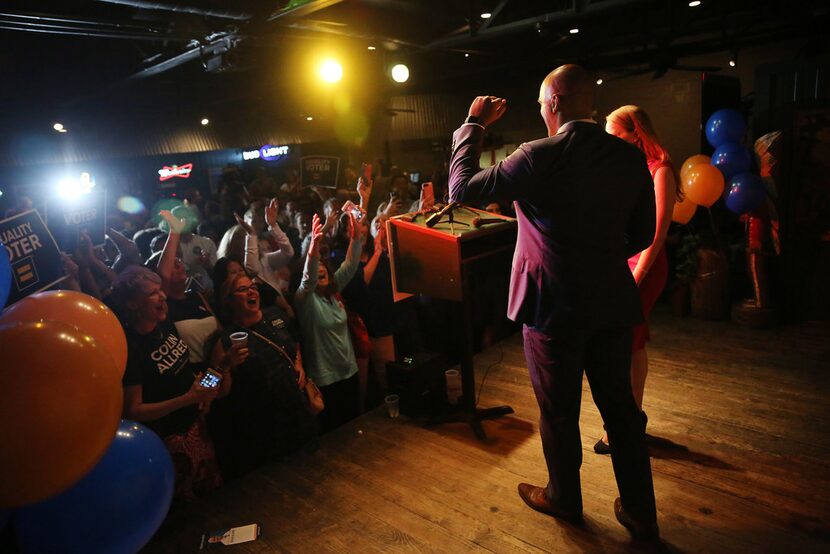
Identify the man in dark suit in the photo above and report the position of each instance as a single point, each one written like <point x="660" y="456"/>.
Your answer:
<point x="585" y="202"/>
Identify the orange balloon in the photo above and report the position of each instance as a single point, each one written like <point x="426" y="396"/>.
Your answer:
<point x="88" y="314"/>
<point x="691" y="162"/>
<point x="683" y="211"/>
<point x="703" y="184"/>
<point x="60" y="405"/>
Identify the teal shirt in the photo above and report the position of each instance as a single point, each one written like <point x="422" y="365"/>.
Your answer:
<point x="328" y="354"/>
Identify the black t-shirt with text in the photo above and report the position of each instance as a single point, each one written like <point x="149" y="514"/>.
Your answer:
<point x="159" y="361"/>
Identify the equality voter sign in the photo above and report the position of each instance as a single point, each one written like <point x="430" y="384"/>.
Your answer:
<point x="320" y="171"/>
<point x="66" y="219"/>
<point x="33" y="254"/>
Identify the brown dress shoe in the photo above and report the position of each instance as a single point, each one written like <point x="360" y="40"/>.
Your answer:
<point x="536" y="498"/>
<point x="646" y="532"/>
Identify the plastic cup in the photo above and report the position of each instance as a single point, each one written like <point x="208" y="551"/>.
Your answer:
<point x="453" y="380"/>
<point x="240" y="337"/>
<point x="393" y="405"/>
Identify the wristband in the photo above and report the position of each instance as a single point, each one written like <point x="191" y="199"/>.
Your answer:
<point x="474" y="119"/>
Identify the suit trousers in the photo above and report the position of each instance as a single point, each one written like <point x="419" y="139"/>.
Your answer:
<point x="556" y="360"/>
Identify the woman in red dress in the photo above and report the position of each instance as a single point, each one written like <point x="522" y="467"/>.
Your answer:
<point x="650" y="267"/>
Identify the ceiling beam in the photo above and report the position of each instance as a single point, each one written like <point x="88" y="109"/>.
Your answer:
<point x="561" y="17"/>
<point x="178" y="8"/>
<point x="302" y="8"/>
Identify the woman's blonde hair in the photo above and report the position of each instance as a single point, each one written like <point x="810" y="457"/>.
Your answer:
<point x="634" y="119"/>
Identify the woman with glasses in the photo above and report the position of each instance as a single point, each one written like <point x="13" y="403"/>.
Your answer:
<point x="266" y="415"/>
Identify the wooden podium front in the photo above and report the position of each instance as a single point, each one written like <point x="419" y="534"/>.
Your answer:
<point x="433" y="261"/>
<point x="440" y="261"/>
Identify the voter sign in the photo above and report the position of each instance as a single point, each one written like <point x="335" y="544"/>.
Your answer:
<point x="320" y="171"/>
<point x="66" y="218"/>
<point x="33" y="254"/>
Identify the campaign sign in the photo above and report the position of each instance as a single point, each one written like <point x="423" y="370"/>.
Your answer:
<point x="320" y="171"/>
<point x="66" y="218"/>
<point x="33" y="254"/>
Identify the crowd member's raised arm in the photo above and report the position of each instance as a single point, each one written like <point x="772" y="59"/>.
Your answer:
<point x="95" y="264"/>
<point x="380" y="246"/>
<point x="347" y="269"/>
<point x="84" y="258"/>
<point x="128" y="253"/>
<point x="168" y="255"/>
<point x="309" y="281"/>
<point x="251" y="262"/>
<point x="72" y="281"/>
<point x="364" y="191"/>
<point x="283" y="255"/>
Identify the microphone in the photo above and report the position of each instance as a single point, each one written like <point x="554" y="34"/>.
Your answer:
<point x="433" y="220"/>
<point x="478" y="221"/>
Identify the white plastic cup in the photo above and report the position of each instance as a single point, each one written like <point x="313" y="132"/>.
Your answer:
<point x="240" y="337"/>
<point x="453" y="380"/>
<point x="393" y="405"/>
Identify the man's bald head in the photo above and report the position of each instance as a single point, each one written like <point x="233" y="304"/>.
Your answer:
<point x="574" y="88"/>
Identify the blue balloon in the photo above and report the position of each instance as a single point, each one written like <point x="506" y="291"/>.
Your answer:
<point x="725" y="126"/>
<point x="746" y="193"/>
<point x="732" y="158"/>
<point x="5" y="276"/>
<point x="116" y="507"/>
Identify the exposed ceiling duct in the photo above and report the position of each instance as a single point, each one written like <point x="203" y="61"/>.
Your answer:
<point x="178" y="8"/>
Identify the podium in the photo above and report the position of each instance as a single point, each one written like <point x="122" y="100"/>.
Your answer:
<point x="439" y="261"/>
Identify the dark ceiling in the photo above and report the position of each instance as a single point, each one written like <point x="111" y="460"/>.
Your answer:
<point x="113" y="59"/>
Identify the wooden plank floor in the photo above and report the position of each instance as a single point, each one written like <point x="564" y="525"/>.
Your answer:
<point x="738" y="425"/>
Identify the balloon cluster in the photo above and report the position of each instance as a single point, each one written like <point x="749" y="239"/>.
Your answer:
<point x="703" y="179"/>
<point x="65" y="450"/>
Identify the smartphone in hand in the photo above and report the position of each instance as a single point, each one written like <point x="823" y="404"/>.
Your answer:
<point x="427" y="197"/>
<point x="211" y="379"/>
<point x="349" y="207"/>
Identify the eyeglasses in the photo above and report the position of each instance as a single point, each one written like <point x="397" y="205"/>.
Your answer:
<point x="245" y="289"/>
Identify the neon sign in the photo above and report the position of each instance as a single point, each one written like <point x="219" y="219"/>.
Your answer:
<point x="266" y="153"/>
<point x="182" y="171"/>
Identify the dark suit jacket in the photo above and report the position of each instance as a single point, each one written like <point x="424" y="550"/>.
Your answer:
<point x="584" y="201"/>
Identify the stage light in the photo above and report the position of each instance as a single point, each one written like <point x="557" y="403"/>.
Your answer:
<point x="732" y="63"/>
<point x="371" y="48"/>
<point x="486" y="15"/>
<point x="309" y="118"/>
<point x="70" y="187"/>
<point x="205" y="121"/>
<point x="58" y="127"/>
<point x="694" y="3"/>
<point x="574" y="31"/>
<point x="733" y="60"/>
<point x="599" y="81"/>
<point x="400" y="73"/>
<point x="331" y="71"/>
<point x="466" y="54"/>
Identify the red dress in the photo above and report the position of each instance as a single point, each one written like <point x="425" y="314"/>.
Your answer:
<point x="653" y="283"/>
